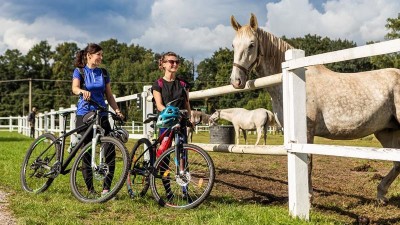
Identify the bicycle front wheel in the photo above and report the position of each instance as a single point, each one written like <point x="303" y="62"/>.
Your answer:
<point x="138" y="176"/>
<point x="39" y="167"/>
<point x="103" y="181"/>
<point x="190" y="185"/>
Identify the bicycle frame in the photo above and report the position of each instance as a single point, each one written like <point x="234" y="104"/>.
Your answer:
<point x="95" y="127"/>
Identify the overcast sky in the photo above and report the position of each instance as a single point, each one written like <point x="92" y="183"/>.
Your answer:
<point x="191" y="28"/>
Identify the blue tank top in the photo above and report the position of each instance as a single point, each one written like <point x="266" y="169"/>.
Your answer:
<point x="95" y="82"/>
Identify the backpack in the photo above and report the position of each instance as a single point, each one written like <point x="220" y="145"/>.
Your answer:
<point x="181" y="82"/>
<point x="82" y="74"/>
<point x="160" y="83"/>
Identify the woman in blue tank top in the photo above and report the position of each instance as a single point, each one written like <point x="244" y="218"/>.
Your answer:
<point x="91" y="81"/>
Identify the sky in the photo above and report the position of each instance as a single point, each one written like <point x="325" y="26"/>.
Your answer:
<point x="194" y="29"/>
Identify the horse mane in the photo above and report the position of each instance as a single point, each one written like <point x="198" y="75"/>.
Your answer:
<point x="273" y="50"/>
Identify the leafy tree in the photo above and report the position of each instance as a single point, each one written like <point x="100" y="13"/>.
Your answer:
<point x="393" y="59"/>
<point x="314" y="44"/>
<point x="62" y="68"/>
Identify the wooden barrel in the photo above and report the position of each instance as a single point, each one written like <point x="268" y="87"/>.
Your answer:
<point x="224" y="134"/>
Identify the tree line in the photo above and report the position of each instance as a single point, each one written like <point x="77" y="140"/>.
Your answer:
<point x="133" y="66"/>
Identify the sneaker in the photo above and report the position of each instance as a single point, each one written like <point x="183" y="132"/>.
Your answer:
<point x="104" y="192"/>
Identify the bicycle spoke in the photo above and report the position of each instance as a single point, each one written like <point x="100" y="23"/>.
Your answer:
<point x="102" y="182"/>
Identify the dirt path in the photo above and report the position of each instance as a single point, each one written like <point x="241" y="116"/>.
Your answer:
<point x="6" y="217"/>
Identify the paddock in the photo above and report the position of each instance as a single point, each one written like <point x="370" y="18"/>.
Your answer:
<point x="295" y="128"/>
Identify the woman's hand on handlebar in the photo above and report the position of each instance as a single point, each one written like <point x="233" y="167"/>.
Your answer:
<point x="119" y="114"/>
<point x="85" y="94"/>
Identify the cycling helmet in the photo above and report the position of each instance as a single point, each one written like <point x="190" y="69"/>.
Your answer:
<point x="120" y="134"/>
<point x="168" y="117"/>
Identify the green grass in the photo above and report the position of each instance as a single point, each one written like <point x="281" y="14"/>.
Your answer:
<point x="58" y="206"/>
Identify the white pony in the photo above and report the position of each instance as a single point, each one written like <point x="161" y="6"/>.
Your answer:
<point x="340" y="106"/>
<point x="243" y="119"/>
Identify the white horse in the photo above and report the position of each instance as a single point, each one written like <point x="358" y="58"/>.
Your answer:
<point x="243" y="119"/>
<point x="197" y="117"/>
<point x="340" y="106"/>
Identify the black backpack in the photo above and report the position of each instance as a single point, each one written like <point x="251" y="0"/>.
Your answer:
<point x="183" y="84"/>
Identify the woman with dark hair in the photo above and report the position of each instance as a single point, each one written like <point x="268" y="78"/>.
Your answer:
<point x="93" y="83"/>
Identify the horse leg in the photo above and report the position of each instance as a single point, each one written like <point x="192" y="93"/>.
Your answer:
<point x="310" y="140"/>
<point x="259" y="130"/>
<point x="265" y="134"/>
<point x="388" y="139"/>
<point x="244" y="135"/>
<point x="237" y="133"/>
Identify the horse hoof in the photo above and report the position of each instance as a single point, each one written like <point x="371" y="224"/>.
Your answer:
<point x="382" y="201"/>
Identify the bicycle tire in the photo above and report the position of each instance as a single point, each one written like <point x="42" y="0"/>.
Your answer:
<point x="37" y="170"/>
<point x="109" y="176"/>
<point x="184" y="191"/>
<point x="137" y="181"/>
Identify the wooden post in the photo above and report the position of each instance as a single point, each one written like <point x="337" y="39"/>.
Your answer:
<point x="294" y="98"/>
<point x="52" y="121"/>
<point x="147" y="108"/>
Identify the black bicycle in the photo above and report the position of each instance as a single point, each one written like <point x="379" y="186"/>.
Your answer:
<point x="181" y="177"/>
<point x="100" y="169"/>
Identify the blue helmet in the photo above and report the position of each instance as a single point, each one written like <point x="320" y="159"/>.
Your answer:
<point x="168" y="117"/>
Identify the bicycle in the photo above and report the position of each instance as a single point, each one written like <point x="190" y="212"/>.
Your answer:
<point x="184" y="184"/>
<point x="104" y="160"/>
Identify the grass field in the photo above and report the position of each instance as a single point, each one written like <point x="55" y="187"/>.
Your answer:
<point x="58" y="206"/>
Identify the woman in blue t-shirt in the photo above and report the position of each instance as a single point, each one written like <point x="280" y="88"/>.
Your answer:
<point x="91" y="81"/>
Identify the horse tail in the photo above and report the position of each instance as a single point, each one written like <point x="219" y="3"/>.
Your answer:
<point x="270" y="118"/>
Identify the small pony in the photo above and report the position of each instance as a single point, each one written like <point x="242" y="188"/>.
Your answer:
<point x="197" y="117"/>
<point x="257" y="119"/>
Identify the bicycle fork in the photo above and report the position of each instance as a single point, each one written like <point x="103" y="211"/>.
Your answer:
<point x="95" y="139"/>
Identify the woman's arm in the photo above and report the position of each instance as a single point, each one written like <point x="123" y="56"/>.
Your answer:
<point x="111" y="101"/>
<point x="188" y="106"/>
<point x="158" y="100"/>
<point x="76" y="89"/>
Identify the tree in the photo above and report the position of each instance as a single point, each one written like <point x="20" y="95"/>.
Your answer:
<point x="314" y="44"/>
<point x="62" y="68"/>
<point x="393" y="59"/>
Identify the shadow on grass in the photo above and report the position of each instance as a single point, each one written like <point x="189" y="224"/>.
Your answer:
<point x="13" y="139"/>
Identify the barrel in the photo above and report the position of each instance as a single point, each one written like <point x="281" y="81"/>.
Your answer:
<point x="224" y="134"/>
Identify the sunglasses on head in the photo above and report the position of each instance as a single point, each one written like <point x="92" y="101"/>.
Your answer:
<point x="172" y="62"/>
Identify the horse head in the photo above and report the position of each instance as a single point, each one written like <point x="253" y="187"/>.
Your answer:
<point x="246" y="51"/>
<point x="214" y="118"/>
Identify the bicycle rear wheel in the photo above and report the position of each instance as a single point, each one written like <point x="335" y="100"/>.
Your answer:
<point x="137" y="181"/>
<point x="103" y="182"/>
<point x="184" y="190"/>
<point x="39" y="167"/>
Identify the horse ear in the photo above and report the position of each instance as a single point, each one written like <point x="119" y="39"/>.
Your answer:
<point x="235" y="24"/>
<point x="253" y="22"/>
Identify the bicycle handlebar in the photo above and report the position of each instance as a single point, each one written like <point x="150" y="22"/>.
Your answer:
<point x="103" y="109"/>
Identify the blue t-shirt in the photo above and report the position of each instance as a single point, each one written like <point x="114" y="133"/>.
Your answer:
<point x="95" y="82"/>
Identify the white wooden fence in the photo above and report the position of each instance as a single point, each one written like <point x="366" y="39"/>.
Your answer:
<point x="295" y="137"/>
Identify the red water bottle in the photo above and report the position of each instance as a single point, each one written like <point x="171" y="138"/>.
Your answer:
<point x="166" y="142"/>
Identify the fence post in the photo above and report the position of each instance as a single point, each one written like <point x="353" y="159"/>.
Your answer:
<point x="10" y="126"/>
<point x="60" y="122"/>
<point x="147" y="108"/>
<point x="72" y="123"/>
<point x="294" y="98"/>
<point x="46" y="121"/>
<point x="52" y="120"/>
